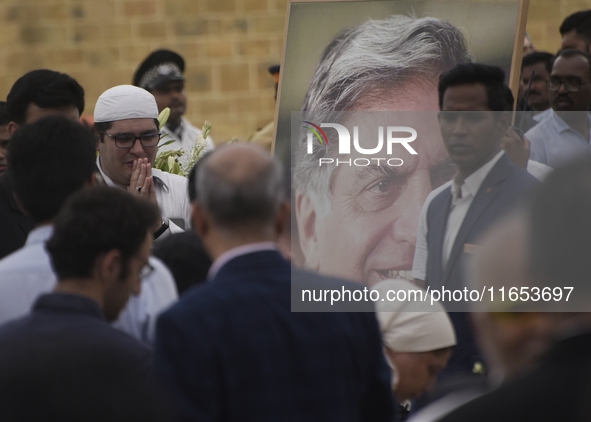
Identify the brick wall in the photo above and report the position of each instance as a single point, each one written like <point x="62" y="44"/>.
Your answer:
<point x="545" y="17"/>
<point x="227" y="45"/>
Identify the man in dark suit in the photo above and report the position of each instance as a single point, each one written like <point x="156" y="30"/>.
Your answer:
<point x="558" y="244"/>
<point x="36" y="94"/>
<point x="231" y="349"/>
<point x="486" y="185"/>
<point x="99" y="249"/>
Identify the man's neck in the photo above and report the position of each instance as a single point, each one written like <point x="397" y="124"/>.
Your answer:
<point x="80" y="287"/>
<point x="219" y="248"/>
<point x="464" y="173"/>
<point x="172" y="126"/>
<point x="578" y="121"/>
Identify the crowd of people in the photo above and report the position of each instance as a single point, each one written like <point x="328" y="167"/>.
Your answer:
<point x="129" y="293"/>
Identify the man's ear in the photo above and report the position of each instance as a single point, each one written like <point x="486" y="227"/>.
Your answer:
<point x="283" y="219"/>
<point x="109" y="266"/>
<point x="503" y="123"/>
<point x="306" y="220"/>
<point x="11" y="128"/>
<point x="200" y="220"/>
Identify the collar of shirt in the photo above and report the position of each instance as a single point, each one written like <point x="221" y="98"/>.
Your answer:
<point x="69" y="303"/>
<point x="561" y="126"/>
<point x="542" y="115"/>
<point x="229" y="255"/>
<point x="39" y="235"/>
<point x="472" y="183"/>
<point x="178" y="130"/>
<point x="109" y="182"/>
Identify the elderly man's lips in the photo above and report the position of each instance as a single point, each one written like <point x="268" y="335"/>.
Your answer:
<point x="406" y="274"/>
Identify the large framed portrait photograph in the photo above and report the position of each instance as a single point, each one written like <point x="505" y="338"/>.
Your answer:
<point x="359" y="87"/>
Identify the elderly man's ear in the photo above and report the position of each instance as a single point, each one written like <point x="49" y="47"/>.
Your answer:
<point x="306" y="218"/>
<point x="199" y="220"/>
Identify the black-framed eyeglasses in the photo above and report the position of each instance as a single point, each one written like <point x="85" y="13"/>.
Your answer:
<point x="146" y="270"/>
<point x="128" y="140"/>
<point x="570" y="84"/>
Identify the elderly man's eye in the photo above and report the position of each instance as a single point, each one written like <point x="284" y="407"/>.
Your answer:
<point x="381" y="187"/>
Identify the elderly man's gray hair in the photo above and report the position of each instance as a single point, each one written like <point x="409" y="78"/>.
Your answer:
<point x="378" y="55"/>
<point x="254" y="199"/>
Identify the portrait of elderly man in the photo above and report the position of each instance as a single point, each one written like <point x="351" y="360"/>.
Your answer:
<point x="360" y="222"/>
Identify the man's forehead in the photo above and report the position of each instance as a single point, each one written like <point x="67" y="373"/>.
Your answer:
<point x="575" y="65"/>
<point x="465" y="97"/>
<point x="572" y="40"/>
<point x="539" y="68"/>
<point x="133" y="124"/>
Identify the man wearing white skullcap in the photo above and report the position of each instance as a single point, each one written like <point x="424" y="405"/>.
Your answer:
<point x="417" y="336"/>
<point x="125" y="116"/>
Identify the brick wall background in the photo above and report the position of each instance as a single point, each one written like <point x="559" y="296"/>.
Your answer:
<point x="227" y="45"/>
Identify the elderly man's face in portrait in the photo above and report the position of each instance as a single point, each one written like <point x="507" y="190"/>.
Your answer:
<point x="369" y="231"/>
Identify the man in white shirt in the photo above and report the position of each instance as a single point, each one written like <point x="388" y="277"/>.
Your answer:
<point x="64" y="153"/>
<point x="161" y="73"/>
<point x="565" y="134"/>
<point x="487" y="184"/>
<point x="126" y="118"/>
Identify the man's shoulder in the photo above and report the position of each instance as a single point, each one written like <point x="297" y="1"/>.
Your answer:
<point x="253" y="273"/>
<point x="187" y="125"/>
<point x="543" y="129"/>
<point x="27" y="260"/>
<point x="56" y="330"/>
<point x="438" y="196"/>
<point x="438" y="192"/>
<point x="170" y="178"/>
<point x="520" y="177"/>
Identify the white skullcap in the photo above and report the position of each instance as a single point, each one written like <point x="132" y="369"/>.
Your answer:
<point x="412" y="325"/>
<point x="125" y="102"/>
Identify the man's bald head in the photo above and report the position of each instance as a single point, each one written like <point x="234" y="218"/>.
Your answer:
<point x="240" y="186"/>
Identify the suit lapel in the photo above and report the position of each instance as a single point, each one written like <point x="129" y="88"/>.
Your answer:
<point x="437" y="231"/>
<point x="489" y="189"/>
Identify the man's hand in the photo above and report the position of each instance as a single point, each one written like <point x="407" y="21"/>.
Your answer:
<point x="141" y="182"/>
<point x="516" y="147"/>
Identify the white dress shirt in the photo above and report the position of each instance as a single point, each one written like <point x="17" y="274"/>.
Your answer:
<point x="554" y="142"/>
<point x="171" y="194"/>
<point x="27" y="273"/>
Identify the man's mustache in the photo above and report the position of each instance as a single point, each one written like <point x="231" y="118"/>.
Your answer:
<point x="565" y="97"/>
